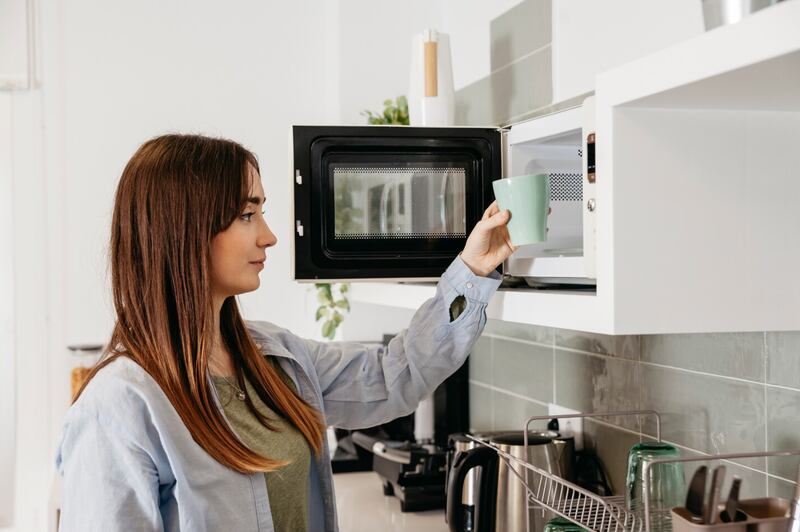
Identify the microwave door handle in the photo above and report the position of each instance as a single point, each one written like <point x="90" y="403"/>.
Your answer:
<point x="384" y="224"/>
<point x="443" y="205"/>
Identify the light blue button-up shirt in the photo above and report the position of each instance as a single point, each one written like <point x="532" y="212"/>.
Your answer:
<point x="129" y="463"/>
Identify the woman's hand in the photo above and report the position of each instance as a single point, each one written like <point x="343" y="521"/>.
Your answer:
<point x="488" y="245"/>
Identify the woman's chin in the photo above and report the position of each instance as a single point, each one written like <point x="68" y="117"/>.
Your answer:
<point x="248" y="287"/>
<point x="253" y="286"/>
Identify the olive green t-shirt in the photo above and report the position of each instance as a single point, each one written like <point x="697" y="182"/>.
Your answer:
<point x="287" y="486"/>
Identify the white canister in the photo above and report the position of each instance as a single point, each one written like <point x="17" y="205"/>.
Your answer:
<point x="431" y="98"/>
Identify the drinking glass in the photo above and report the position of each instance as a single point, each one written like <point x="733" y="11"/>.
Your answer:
<point x="666" y="484"/>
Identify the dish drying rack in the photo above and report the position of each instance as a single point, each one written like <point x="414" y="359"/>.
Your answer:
<point x="587" y="509"/>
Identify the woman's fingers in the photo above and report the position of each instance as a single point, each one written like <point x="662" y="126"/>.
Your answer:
<point x="493" y="209"/>
<point x="497" y="219"/>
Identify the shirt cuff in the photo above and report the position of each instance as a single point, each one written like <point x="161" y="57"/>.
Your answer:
<point x="458" y="280"/>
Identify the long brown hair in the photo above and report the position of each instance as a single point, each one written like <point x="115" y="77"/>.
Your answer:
<point x="176" y="193"/>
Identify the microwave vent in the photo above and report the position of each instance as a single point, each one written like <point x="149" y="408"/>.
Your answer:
<point x="566" y="187"/>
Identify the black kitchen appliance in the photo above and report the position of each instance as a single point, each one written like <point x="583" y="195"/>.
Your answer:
<point x="415" y="471"/>
<point x="387" y="201"/>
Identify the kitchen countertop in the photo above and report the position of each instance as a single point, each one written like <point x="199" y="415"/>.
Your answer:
<point x="362" y="507"/>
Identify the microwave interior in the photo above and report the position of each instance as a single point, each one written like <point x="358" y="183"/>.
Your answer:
<point x="388" y="202"/>
<point x="560" y="258"/>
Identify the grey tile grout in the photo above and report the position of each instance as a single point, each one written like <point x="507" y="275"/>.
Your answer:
<point x="518" y="340"/>
<point x="766" y="412"/>
<point x="599" y="355"/>
<point x="508" y="392"/>
<point x="646" y="363"/>
<point x="517" y="60"/>
<point x="613" y="426"/>
<point x="555" y="375"/>
<point x="528" y="114"/>
<point x="778" y="477"/>
<point x="782" y="387"/>
<point x="702" y="373"/>
<point x="639" y="366"/>
<point x="491" y="379"/>
<point x="555" y="378"/>
<point x="557" y="347"/>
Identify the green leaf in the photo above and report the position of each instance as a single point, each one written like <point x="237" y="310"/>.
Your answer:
<point x="328" y="329"/>
<point x="337" y="318"/>
<point x="394" y="112"/>
<point x="321" y="313"/>
<point x="344" y="288"/>
<point x="342" y="303"/>
<point x="324" y="294"/>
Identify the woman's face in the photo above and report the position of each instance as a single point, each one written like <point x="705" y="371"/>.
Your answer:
<point x="238" y="253"/>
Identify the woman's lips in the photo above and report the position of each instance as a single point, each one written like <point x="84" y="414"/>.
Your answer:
<point x="258" y="264"/>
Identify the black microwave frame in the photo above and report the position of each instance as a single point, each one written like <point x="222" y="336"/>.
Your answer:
<point x="315" y="148"/>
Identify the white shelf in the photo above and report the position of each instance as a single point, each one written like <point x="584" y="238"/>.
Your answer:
<point x="753" y="64"/>
<point x="575" y="310"/>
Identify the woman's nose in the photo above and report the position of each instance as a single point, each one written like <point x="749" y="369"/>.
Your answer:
<point x="266" y="238"/>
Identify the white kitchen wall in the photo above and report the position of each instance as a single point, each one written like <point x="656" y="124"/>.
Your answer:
<point x="239" y="72"/>
<point x="13" y="40"/>
<point x="31" y="386"/>
<point x="374" y="46"/>
<point x="7" y="354"/>
<point x="111" y="79"/>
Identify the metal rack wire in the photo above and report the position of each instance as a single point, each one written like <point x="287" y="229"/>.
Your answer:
<point x="587" y="509"/>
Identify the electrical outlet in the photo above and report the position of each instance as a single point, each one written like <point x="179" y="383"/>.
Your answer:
<point x="573" y="426"/>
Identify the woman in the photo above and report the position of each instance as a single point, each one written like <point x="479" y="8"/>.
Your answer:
<point x="198" y="421"/>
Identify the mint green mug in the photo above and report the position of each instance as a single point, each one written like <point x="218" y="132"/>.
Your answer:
<point x="527" y="197"/>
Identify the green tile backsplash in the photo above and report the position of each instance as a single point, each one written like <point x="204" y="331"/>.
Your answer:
<point x="716" y="393"/>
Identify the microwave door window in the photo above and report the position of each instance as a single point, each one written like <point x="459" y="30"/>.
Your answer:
<point x="455" y="204"/>
<point x="390" y="203"/>
<point x="439" y="203"/>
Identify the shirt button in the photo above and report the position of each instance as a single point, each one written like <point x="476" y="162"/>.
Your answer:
<point x="469" y="285"/>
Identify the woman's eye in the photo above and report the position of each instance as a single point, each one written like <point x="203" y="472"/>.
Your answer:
<point x="246" y="216"/>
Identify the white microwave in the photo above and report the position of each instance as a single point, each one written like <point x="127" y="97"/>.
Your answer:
<point x="397" y="202"/>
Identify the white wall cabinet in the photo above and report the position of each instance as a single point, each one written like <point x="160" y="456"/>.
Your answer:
<point x="697" y="192"/>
